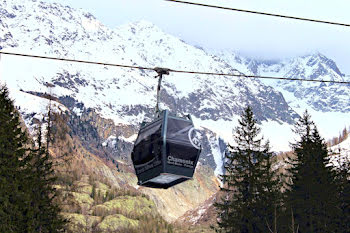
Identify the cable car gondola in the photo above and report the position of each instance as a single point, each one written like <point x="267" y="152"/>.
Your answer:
<point x="167" y="149"/>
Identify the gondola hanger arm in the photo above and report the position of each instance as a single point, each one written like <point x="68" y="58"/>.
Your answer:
<point x="160" y="71"/>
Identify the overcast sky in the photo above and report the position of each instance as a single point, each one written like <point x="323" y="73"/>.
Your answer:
<point x="250" y="35"/>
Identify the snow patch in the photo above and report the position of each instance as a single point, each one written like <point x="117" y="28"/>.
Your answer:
<point x="130" y="139"/>
<point x="218" y="156"/>
<point x="340" y="154"/>
<point x="110" y="141"/>
<point x="91" y="25"/>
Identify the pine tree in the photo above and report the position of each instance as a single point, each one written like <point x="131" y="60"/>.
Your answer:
<point x="270" y="189"/>
<point x="26" y="178"/>
<point x="312" y="194"/>
<point x="343" y="183"/>
<point x="44" y="209"/>
<point x="250" y="186"/>
<point x="13" y="159"/>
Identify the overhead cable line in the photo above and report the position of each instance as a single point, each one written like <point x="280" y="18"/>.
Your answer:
<point x="260" y="13"/>
<point x="175" y="71"/>
<point x="78" y="61"/>
<point x="259" y="77"/>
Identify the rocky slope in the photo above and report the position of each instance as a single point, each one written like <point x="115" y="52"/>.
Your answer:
<point x="204" y="215"/>
<point x="101" y="195"/>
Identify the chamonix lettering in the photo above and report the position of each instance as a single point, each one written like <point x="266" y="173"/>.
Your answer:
<point x="180" y="162"/>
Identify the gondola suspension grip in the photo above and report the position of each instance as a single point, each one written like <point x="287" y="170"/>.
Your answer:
<point x="160" y="72"/>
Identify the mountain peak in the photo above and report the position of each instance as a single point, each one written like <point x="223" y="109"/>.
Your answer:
<point x="139" y="25"/>
<point x="144" y="24"/>
<point x="141" y="28"/>
<point x="322" y="62"/>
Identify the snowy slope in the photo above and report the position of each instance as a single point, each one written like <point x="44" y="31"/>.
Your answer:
<point x="340" y="153"/>
<point x="343" y="146"/>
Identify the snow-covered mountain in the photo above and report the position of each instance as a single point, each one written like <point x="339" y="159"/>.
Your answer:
<point x="62" y="31"/>
<point x="325" y="97"/>
<point x="328" y="103"/>
<point x="118" y="99"/>
<point x="126" y="96"/>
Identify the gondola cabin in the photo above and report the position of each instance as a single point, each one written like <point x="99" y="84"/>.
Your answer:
<point x="166" y="151"/>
